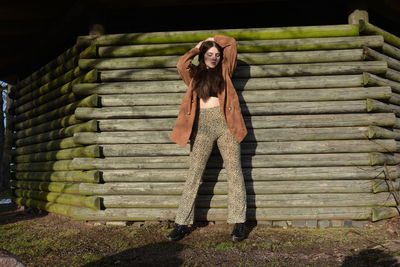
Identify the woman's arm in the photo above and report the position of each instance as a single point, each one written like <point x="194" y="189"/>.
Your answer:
<point x="184" y="62"/>
<point x="230" y="52"/>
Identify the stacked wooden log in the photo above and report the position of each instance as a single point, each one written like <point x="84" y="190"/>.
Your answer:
<point x="322" y="129"/>
<point x="43" y="147"/>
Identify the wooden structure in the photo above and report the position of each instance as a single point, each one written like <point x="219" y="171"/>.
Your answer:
<point x="321" y="104"/>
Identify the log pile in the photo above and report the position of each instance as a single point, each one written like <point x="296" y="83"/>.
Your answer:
<point x="43" y="124"/>
<point x="321" y="105"/>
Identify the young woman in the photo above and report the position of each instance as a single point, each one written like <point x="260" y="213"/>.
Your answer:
<point x="210" y="112"/>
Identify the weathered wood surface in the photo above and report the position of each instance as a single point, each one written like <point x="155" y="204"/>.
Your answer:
<point x="390" y="50"/>
<point x="259" y="148"/>
<point x="63" y="176"/>
<point x="89" y="101"/>
<point x="244" y="59"/>
<point x="394" y="99"/>
<point x="60" y="60"/>
<point x="380" y="213"/>
<point x="216" y="214"/>
<point x="377" y="106"/>
<point x="280" y="134"/>
<point x="254" y="46"/>
<point x="59" y="165"/>
<point x="47" y="206"/>
<point x="248" y="161"/>
<point x="391" y="62"/>
<point x="91" y="202"/>
<point x="66" y="75"/>
<point x="287" y="95"/>
<point x="92" y="151"/>
<point x="39" y="98"/>
<point x="371" y="79"/>
<point x="69" y="188"/>
<point x="46" y="107"/>
<point x="254" y="201"/>
<point x="46" y="146"/>
<point x="251" y="174"/>
<point x="274" y="121"/>
<point x="257" y="109"/>
<point x="48" y="126"/>
<point x="305" y="82"/>
<point x="393" y="75"/>
<point x="209" y="188"/>
<point x="258" y="71"/>
<point x="89" y="126"/>
<point x="368" y="28"/>
<point x="238" y="34"/>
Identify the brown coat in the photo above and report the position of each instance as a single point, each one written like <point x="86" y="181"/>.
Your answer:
<point x="228" y="99"/>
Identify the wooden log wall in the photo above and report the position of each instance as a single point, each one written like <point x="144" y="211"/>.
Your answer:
<point x="43" y="127"/>
<point x="321" y="110"/>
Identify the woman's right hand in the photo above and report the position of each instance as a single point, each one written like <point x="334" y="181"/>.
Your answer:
<point x="199" y="44"/>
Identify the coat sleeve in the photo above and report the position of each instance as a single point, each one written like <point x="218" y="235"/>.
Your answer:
<point x="184" y="62"/>
<point x="230" y="52"/>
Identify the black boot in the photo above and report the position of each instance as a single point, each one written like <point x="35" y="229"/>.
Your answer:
<point x="238" y="232"/>
<point x="178" y="233"/>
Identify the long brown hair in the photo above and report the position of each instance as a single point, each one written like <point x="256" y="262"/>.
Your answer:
<point x="206" y="79"/>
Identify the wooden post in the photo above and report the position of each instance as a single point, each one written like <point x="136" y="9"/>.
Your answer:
<point x="358" y="14"/>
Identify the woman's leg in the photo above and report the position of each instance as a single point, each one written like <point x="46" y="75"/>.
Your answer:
<point x="201" y="150"/>
<point x="230" y="152"/>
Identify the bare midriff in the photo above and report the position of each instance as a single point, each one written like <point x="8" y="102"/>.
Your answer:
<point x="209" y="103"/>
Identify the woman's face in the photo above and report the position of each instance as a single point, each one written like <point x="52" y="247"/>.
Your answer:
<point x="212" y="57"/>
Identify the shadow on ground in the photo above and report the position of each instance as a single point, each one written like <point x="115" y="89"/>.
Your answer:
<point x="371" y="257"/>
<point x="148" y="255"/>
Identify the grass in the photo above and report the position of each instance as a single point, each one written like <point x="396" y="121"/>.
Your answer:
<point x="53" y="240"/>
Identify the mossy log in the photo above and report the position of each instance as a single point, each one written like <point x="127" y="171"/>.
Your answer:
<point x="69" y="188"/>
<point x="277" y="121"/>
<point x="254" y="46"/>
<point x="373" y="80"/>
<point x="91" y="202"/>
<point x="90" y="52"/>
<point x="368" y="28"/>
<point x="259" y="71"/>
<point x="391" y="62"/>
<point x="254" y="201"/>
<point x="48" y="126"/>
<point x="336" y="94"/>
<point x="390" y="50"/>
<point x="60" y="60"/>
<point x="90" y="101"/>
<point x="47" y="206"/>
<point x="46" y="146"/>
<point x="394" y="99"/>
<point x="256" y="109"/>
<point x="209" y="188"/>
<point x="92" y="151"/>
<point x="90" y="126"/>
<point x="380" y="213"/>
<point x="393" y="75"/>
<point x="90" y="77"/>
<point x="57" y="77"/>
<point x="384" y="186"/>
<point x="244" y="59"/>
<point x="377" y="106"/>
<point x="259" y="148"/>
<point x="60" y="165"/>
<point x="279" y="134"/>
<point x="248" y="161"/>
<point x="308" y="82"/>
<point x="63" y="176"/>
<point x="217" y="214"/>
<point x="238" y="34"/>
<point x="397" y="124"/>
<point x="382" y="158"/>
<point x="251" y="174"/>
<point x="60" y="101"/>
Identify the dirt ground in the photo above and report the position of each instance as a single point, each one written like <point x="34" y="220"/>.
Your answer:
<point x="41" y="239"/>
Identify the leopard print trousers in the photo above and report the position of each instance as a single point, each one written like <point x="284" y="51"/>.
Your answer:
<point x="210" y="126"/>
